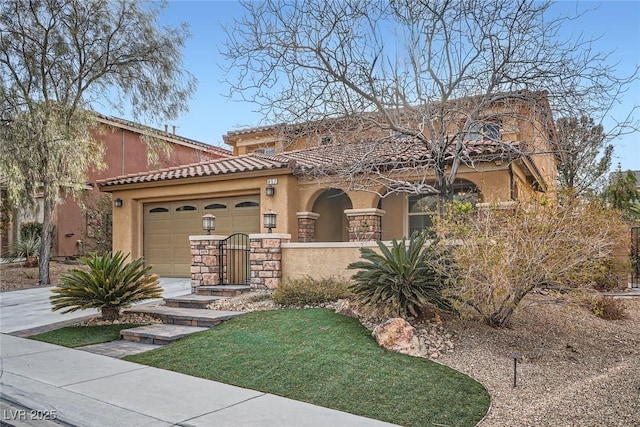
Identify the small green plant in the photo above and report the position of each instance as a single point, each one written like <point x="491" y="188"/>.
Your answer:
<point x="311" y="291"/>
<point x="607" y="308"/>
<point x="403" y="276"/>
<point x="27" y="247"/>
<point x="109" y="285"/>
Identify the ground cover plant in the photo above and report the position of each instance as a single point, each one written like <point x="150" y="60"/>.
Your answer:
<point x="320" y="357"/>
<point x="307" y="290"/>
<point x="78" y="336"/>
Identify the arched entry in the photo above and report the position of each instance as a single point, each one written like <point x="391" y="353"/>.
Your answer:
<point x="332" y="225"/>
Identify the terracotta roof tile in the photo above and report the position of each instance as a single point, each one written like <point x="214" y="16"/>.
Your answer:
<point x="223" y="166"/>
<point x="388" y="152"/>
<point x="383" y="153"/>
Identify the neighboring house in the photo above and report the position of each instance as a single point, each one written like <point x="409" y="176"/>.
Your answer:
<point x="292" y="177"/>
<point x="126" y="152"/>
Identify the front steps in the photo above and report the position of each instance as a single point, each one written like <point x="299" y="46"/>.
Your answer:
<point x="181" y="316"/>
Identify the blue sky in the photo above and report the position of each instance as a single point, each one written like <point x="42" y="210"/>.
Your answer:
<point x="211" y="114"/>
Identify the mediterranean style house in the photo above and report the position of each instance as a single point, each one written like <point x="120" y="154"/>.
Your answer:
<point x="126" y="152"/>
<point x="298" y="176"/>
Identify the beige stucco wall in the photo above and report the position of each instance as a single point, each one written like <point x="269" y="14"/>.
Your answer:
<point x="319" y="260"/>
<point x="128" y="220"/>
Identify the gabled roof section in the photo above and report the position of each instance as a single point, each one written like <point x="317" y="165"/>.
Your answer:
<point x="157" y="133"/>
<point x="384" y="154"/>
<point x="388" y="153"/>
<point x="247" y="163"/>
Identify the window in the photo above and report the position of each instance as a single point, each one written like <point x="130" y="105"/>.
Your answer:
<point x="326" y="140"/>
<point x="265" y="151"/>
<point x="159" y="210"/>
<point x="247" y="205"/>
<point x="484" y="130"/>
<point x="424" y="207"/>
<point x="215" y="206"/>
<point x="186" y="208"/>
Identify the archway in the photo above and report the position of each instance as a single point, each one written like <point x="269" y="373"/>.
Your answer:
<point x="332" y="225"/>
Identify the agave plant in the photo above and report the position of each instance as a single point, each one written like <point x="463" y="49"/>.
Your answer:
<point x="28" y="248"/>
<point x="402" y="276"/>
<point x="110" y="284"/>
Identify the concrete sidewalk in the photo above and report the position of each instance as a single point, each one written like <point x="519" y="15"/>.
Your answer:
<point x="86" y="389"/>
<point x="30" y="308"/>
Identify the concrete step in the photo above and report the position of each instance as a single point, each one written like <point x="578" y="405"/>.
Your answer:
<point x="185" y="316"/>
<point x="191" y="301"/>
<point x="223" y="290"/>
<point x="159" y="334"/>
<point x="119" y="349"/>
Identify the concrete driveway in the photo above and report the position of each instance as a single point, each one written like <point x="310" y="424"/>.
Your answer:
<point x="30" y="308"/>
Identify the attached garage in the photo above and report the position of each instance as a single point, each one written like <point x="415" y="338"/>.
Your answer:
<point x="168" y="225"/>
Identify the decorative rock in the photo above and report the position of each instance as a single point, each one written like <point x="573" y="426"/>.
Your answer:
<point x="399" y="336"/>
<point x="344" y="307"/>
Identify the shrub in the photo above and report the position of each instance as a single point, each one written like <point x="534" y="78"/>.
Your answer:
<point x="109" y="285"/>
<point x="403" y="276"/>
<point x="607" y="308"/>
<point x="310" y="291"/>
<point x="27" y="247"/>
<point x="501" y="255"/>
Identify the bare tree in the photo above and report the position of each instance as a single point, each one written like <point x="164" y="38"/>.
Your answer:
<point x="59" y="57"/>
<point x="397" y="66"/>
<point x="585" y="154"/>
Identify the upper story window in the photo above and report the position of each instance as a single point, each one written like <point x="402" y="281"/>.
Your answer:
<point x="269" y="150"/>
<point x="484" y="130"/>
<point x="326" y="140"/>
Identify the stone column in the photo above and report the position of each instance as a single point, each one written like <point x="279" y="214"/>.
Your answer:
<point x="307" y="226"/>
<point x="365" y="224"/>
<point x="266" y="259"/>
<point x="204" y="260"/>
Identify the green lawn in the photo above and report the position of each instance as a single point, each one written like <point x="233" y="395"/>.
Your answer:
<point x="326" y="359"/>
<point x="78" y="336"/>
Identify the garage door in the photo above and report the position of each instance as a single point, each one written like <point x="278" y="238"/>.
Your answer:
<point x="167" y="227"/>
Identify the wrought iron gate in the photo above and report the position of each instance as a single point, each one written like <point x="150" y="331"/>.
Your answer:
<point x="233" y="260"/>
<point x="635" y="257"/>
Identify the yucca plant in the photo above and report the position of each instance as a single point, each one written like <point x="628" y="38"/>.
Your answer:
<point x="28" y="248"/>
<point x="402" y="276"/>
<point x="110" y="284"/>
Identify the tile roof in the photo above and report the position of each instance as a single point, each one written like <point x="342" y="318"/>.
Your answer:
<point x="389" y="152"/>
<point x="246" y="163"/>
<point x="380" y="154"/>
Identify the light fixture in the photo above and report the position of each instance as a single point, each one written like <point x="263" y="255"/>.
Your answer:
<point x="270" y="190"/>
<point x="208" y="223"/>
<point x="269" y="220"/>
<point x="118" y="203"/>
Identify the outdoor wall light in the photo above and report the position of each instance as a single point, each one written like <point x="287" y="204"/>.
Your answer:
<point x="269" y="220"/>
<point x="270" y="190"/>
<point x="208" y="223"/>
<point x="118" y="203"/>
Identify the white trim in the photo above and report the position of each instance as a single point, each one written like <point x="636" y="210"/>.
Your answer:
<point x="313" y="245"/>
<point x="366" y="211"/>
<point x="307" y="215"/>
<point x="208" y="237"/>
<point x="270" y="236"/>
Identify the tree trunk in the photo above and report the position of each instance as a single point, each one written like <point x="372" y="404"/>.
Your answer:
<point x="45" y="238"/>
<point x="110" y="313"/>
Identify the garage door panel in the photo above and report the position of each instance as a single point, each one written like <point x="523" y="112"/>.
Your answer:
<point x="167" y="227"/>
